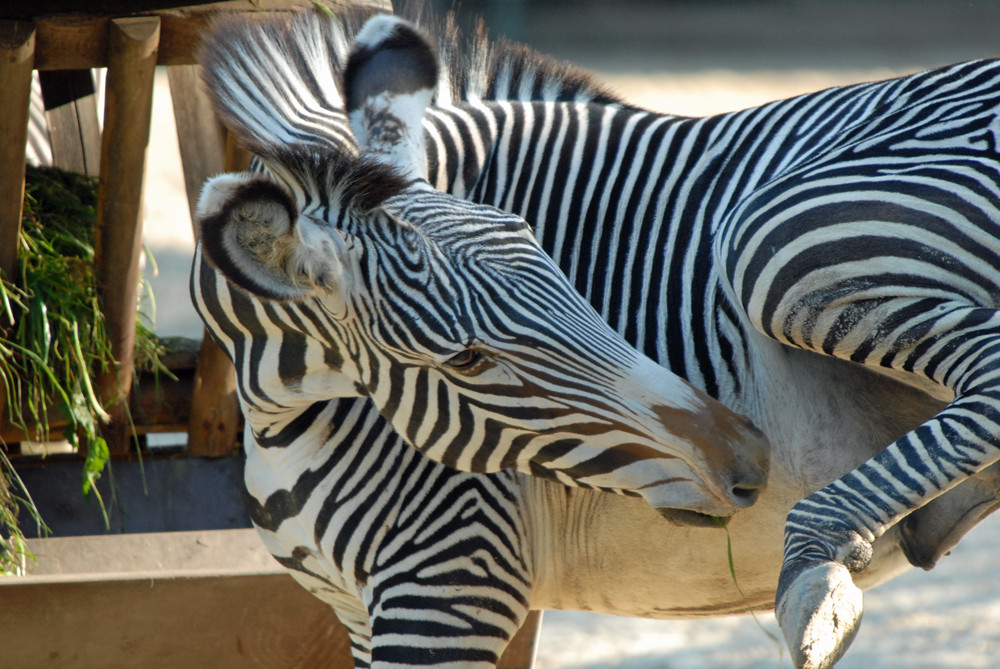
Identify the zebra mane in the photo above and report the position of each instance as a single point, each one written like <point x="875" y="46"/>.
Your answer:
<point x="477" y="68"/>
<point x="278" y="80"/>
<point x="339" y="180"/>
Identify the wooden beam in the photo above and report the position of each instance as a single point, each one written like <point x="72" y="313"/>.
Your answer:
<point x="216" y="419"/>
<point x="158" y="405"/>
<point x="77" y="41"/>
<point x="132" y="48"/>
<point x="17" y="54"/>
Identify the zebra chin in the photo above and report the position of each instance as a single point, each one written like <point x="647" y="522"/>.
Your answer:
<point x="713" y="513"/>
<point x="688" y="518"/>
<point x="693" y="503"/>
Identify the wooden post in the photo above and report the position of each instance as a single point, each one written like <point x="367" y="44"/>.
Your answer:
<point x="200" y="136"/>
<point x="132" y="50"/>
<point x="17" y="57"/>
<point x="520" y="653"/>
<point x="215" y="420"/>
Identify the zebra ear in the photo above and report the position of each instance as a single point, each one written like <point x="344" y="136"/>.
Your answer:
<point x="251" y="232"/>
<point x="389" y="80"/>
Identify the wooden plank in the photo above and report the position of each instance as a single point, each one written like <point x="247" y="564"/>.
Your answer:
<point x="216" y="419"/>
<point x="107" y="7"/>
<point x="520" y="653"/>
<point x="163" y="406"/>
<point x="17" y="53"/>
<point x="71" y="111"/>
<point x="77" y="41"/>
<point x="132" y="45"/>
<point x="237" y="158"/>
<point x="186" y="599"/>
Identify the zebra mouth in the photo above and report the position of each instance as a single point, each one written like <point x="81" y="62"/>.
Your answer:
<point x="688" y="518"/>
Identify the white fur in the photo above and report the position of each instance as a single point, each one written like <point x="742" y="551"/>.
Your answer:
<point x="408" y="154"/>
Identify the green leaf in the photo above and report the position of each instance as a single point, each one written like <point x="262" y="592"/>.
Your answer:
<point x="93" y="466"/>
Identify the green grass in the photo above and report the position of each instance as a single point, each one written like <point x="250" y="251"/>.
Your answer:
<point x="53" y="340"/>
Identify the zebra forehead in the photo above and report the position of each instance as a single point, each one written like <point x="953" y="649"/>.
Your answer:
<point x="342" y="181"/>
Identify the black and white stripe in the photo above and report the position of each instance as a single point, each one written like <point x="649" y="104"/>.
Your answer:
<point x="860" y="222"/>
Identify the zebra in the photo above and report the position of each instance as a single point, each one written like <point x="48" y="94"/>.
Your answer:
<point x="717" y="255"/>
<point x="339" y="274"/>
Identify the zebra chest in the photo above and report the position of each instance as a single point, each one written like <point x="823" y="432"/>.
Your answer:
<point x="358" y="507"/>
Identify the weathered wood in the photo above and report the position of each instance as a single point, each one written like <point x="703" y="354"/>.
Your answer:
<point x="71" y="112"/>
<point x="17" y="53"/>
<point x="520" y="653"/>
<point x="132" y="45"/>
<point x="200" y="136"/>
<point x="237" y="158"/>
<point x="215" y="420"/>
<point x="77" y="41"/>
<point x="159" y="403"/>
<point x="179" y="599"/>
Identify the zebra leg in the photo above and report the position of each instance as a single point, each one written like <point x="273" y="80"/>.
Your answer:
<point x="932" y="530"/>
<point x="829" y="534"/>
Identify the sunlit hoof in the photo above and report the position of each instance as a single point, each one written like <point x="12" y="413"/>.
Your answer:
<point x="819" y="611"/>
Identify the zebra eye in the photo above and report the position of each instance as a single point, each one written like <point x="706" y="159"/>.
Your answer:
<point x="464" y="359"/>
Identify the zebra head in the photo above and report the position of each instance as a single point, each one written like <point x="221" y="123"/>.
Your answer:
<point x="446" y="313"/>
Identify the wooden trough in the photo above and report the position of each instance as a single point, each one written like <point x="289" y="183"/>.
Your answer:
<point x="209" y="596"/>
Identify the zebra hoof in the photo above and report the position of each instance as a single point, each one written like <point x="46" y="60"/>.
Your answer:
<point x="819" y="613"/>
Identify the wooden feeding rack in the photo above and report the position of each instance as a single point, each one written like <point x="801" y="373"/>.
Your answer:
<point x="63" y="40"/>
<point x="129" y="38"/>
<point x="130" y="43"/>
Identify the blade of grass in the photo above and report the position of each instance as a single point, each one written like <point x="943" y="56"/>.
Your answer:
<point x="721" y="522"/>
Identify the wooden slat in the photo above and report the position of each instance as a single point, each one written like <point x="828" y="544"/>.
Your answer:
<point x="17" y="52"/>
<point x="71" y="111"/>
<point x="173" y="599"/>
<point x="216" y="420"/>
<point x="132" y="44"/>
<point x="520" y="653"/>
<point x="163" y="406"/>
